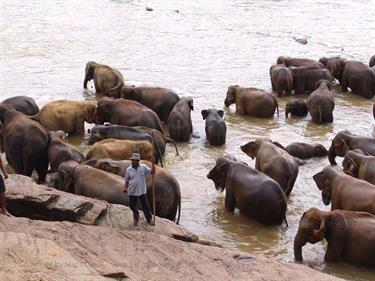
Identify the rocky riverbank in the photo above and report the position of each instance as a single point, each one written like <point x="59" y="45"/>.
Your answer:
<point x="98" y="242"/>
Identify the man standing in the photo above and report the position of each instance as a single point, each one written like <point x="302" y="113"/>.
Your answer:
<point x="135" y="185"/>
<point x="3" y="210"/>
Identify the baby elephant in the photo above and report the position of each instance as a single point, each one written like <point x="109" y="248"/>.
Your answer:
<point x="179" y="120"/>
<point x="306" y="150"/>
<point x="321" y="103"/>
<point x="296" y="108"/>
<point x="281" y="79"/>
<point x="216" y="130"/>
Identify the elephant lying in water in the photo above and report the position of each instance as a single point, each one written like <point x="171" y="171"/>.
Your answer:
<point x="255" y="194"/>
<point x="350" y="235"/>
<point x="167" y="189"/>
<point x="345" y="192"/>
<point x="359" y="165"/>
<point x="305" y="150"/>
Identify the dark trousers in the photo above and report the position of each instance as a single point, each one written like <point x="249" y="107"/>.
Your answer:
<point x="146" y="208"/>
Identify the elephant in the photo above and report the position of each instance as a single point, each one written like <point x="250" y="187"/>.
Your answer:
<point x="359" y="165"/>
<point x="297" y="62"/>
<point x="24" y="104"/>
<point x="25" y="143"/>
<point x="321" y="103"/>
<point x="167" y="189"/>
<point x="120" y="149"/>
<point x="60" y="151"/>
<point x="306" y="150"/>
<point x="252" y="101"/>
<point x="160" y="100"/>
<point x="216" y="129"/>
<point x="371" y="63"/>
<point x="306" y="77"/>
<point x="126" y="112"/>
<point x="179" y="121"/>
<point x="345" y="192"/>
<point x="360" y="78"/>
<point x="296" y="107"/>
<point x="274" y="161"/>
<point x="66" y="115"/>
<point x="345" y="141"/>
<point x="255" y="194"/>
<point x="281" y="79"/>
<point x="335" y="65"/>
<point x="107" y="80"/>
<point x="350" y="235"/>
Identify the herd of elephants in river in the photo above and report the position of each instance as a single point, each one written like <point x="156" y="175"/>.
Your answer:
<point x="129" y="119"/>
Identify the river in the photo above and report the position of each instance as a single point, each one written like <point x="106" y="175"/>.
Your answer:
<point x="199" y="48"/>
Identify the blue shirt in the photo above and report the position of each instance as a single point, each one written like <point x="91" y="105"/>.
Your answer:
<point x="136" y="179"/>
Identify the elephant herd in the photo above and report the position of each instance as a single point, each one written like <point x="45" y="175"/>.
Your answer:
<point x="129" y="119"/>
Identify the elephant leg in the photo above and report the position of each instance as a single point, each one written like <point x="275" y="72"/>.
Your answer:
<point x="42" y="171"/>
<point x="344" y="85"/>
<point x="230" y="202"/>
<point x="240" y="109"/>
<point x="335" y="248"/>
<point x="28" y="167"/>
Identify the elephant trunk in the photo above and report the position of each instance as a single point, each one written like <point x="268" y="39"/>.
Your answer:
<point x="332" y="155"/>
<point x="287" y="112"/>
<point x="298" y="243"/>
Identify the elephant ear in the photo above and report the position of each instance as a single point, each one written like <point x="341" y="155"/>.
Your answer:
<point x="320" y="233"/>
<point x="278" y="145"/>
<point x="319" y="179"/>
<point x="204" y="113"/>
<point x="109" y="167"/>
<point x="190" y="103"/>
<point x="350" y="167"/>
<point x="221" y="113"/>
<point x="65" y="182"/>
<point x="251" y="148"/>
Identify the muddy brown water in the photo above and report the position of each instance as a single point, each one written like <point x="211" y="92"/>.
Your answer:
<point x="199" y="48"/>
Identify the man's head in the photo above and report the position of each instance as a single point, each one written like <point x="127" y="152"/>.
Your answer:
<point x="135" y="158"/>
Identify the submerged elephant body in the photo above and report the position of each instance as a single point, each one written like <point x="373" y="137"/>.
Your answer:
<point x="305" y="150"/>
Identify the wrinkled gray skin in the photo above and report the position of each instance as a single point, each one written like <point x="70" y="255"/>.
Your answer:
<point x="160" y="100"/>
<point x="179" y="121"/>
<point x="59" y="150"/>
<point x="255" y="194"/>
<point x="216" y="129"/>
<point x="306" y="150"/>
<point x="360" y="78"/>
<point x="24" y="104"/>
<point x="359" y="165"/>
<point x="345" y="192"/>
<point x="371" y="63"/>
<point x="281" y="79"/>
<point x="274" y="161"/>
<point x="167" y="189"/>
<point x="350" y="235"/>
<point x="296" y="108"/>
<point x="297" y="62"/>
<point x="306" y="77"/>
<point x="321" y="103"/>
<point x="335" y="65"/>
<point x="345" y="141"/>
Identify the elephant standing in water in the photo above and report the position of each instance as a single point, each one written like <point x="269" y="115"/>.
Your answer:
<point x="297" y="62"/>
<point x="281" y="79"/>
<point x="24" y="104"/>
<point x="335" y="65"/>
<point x="255" y="194"/>
<point x="306" y="77"/>
<point x="107" y="80"/>
<point x="321" y="103"/>
<point x="296" y="108"/>
<point x="216" y="129"/>
<point x="350" y="235"/>
<point x="359" y="165"/>
<point x="360" y="78"/>
<point x="179" y="121"/>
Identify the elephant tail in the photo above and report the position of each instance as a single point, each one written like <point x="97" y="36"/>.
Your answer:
<point x="111" y="92"/>
<point x="277" y="107"/>
<point x="179" y="210"/>
<point x="169" y="140"/>
<point x="286" y="222"/>
<point x="155" y="146"/>
<point x="320" y="115"/>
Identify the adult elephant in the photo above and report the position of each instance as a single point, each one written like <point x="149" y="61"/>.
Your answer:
<point x="371" y="63"/>
<point x="345" y="141"/>
<point x="345" y="192"/>
<point x="274" y="161"/>
<point x="360" y="78"/>
<point x="359" y="165"/>
<point x="66" y="115"/>
<point x="306" y="77"/>
<point x="252" y="101"/>
<point x="59" y="150"/>
<point x="297" y="62"/>
<point x="335" y="65"/>
<point x="281" y="79"/>
<point x="350" y="235"/>
<point x="179" y="121"/>
<point x="107" y="80"/>
<point x="296" y="107"/>
<point x="215" y="127"/>
<point x="255" y="194"/>
<point x="321" y="103"/>
<point x="25" y="143"/>
<point x="24" y="104"/>
<point x="167" y="189"/>
<point x="160" y="100"/>
<point x="306" y="150"/>
<point x="126" y="112"/>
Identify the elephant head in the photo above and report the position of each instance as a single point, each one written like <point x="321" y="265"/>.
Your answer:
<point x="324" y="83"/>
<point x="231" y="95"/>
<point x="189" y="101"/>
<point x="64" y="178"/>
<point x="57" y="135"/>
<point x="89" y="112"/>
<point x="206" y="112"/>
<point x="312" y="229"/>
<point x="130" y="93"/>
<point x="103" y="110"/>
<point x="89" y="72"/>
<point x="320" y="150"/>
<point x="352" y="162"/>
<point x="252" y="147"/>
<point x="371" y="63"/>
<point x="108" y="166"/>
<point x="218" y="174"/>
<point x="335" y="65"/>
<point x="324" y="180"/>
<point x="340" y="145"/>
<point x="281" y="60"/>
